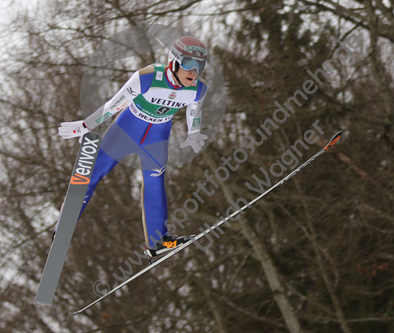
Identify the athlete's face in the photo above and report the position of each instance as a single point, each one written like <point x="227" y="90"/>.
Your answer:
<point x="186" y="77"/>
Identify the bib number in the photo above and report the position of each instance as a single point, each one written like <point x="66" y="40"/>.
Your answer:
<point x="162" y="110"/>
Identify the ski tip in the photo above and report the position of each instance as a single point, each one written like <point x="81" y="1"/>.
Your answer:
<point x="75" y="313"/>
<point x="334" y="139"/>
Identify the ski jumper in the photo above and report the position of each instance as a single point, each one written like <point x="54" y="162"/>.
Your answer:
<point x="146" y="103"/>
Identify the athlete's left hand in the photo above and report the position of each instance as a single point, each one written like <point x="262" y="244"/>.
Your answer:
<point x="195" y="140"/>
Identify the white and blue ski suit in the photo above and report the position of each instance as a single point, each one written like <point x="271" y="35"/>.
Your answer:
<point x="146" y="104"/>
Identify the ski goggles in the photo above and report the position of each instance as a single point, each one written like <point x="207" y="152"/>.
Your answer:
<point x="193" y="64"/>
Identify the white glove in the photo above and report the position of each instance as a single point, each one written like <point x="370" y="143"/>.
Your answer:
<point x="195" y="140"/>
<point x="74" y="129"/>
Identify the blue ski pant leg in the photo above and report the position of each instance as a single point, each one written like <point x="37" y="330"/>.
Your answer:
<point x="128" y="135"/>
<point x="153" y="156"/>
<point x="116" y="144"/>
<point x="154" y="207"/>
<point x="103" y="166"/>
<point x="150" y="141"/>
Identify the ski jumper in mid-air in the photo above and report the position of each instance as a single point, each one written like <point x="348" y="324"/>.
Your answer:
<point x="147" y="103"/>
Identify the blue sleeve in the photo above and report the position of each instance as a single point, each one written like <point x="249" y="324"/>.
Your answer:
<point x="201" y="91"/>
<point x="146" y="82"/>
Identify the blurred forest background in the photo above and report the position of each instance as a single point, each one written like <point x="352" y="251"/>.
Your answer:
<point x="316" y="255"/>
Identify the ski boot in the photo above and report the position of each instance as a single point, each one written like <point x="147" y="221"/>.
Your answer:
<point x="168" y="243"/>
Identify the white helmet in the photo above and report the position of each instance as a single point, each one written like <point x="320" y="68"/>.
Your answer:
<point x="189" y="53"/>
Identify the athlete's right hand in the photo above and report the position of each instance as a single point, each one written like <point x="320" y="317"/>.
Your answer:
<point x="75" y="129"/>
